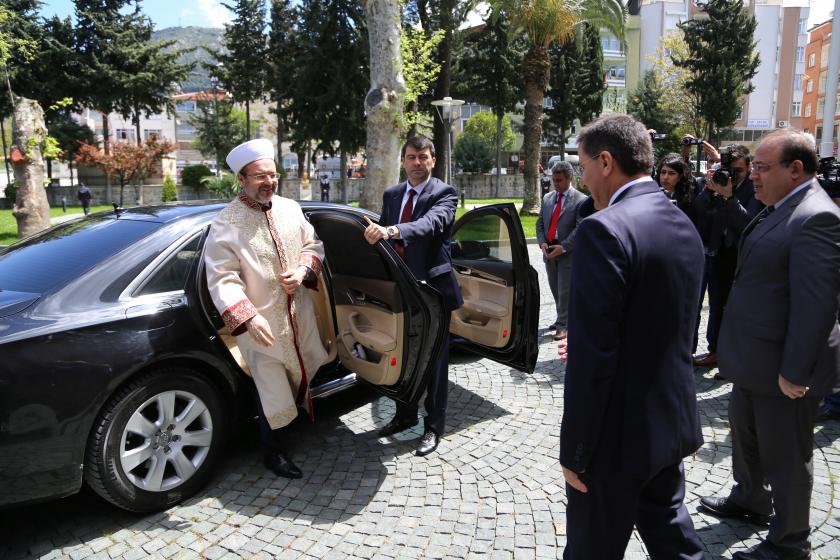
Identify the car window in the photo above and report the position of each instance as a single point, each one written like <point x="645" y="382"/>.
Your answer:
<point x="53" y="258"/>
<point x="172" y="275"/>
<point x="482" y="238"/>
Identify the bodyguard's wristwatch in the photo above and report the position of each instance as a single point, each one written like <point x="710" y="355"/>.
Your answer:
<point x="392" y="231"/>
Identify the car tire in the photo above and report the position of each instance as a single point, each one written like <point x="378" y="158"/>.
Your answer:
<point x="156" y="441"/>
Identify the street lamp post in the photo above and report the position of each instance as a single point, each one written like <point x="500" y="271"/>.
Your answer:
<point x="214" y="81"/>
<point x="448" y="110"/>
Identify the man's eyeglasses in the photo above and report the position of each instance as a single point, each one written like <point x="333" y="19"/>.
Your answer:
<point x="262" y="176"/>
<point x="759" y="167"/>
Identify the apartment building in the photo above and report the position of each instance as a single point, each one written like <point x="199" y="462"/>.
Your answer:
<point x="815" y="78"/>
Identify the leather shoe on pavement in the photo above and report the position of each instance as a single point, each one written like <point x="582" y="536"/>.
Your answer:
<point x="279" y="464"/>
<point x="722" y="507"/>
<point x="768" y="551"/>
<point x="428" y="443"/>
<point x="705" y="360"/>
<point x="396" y="425"/>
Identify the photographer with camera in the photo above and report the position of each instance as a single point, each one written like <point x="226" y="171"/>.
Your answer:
<point x="724" y="208"/>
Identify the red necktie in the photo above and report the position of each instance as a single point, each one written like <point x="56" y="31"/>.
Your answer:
<point x="399" y="246"/>
<point x="552" y="228"/>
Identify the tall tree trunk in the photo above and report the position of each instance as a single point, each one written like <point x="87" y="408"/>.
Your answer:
<point x="499" y="118"/>
<point x="301" y="156"/>
<point x="106" y="145"/>
<point x="247" y="120"/>
<point x="31" y="208"/>
<point x="5" y="150"/>
<point x="70" y="167"/>
<point x="442" y="86"/>
<point x="384" y="101"/>
<point x="535" y="68"/>
<point x="136" y="120"/>
<point x="344" y="180"/>
<point x="281" y="134"/>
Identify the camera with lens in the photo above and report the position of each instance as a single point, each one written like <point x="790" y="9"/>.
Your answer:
<point x="727" y="155"/>
<point x="654" y="137"/>
<point x="692" y="141"/>
<point x="828" y="174"/>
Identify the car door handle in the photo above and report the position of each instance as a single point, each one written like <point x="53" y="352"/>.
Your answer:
<point x="463" y="270"/>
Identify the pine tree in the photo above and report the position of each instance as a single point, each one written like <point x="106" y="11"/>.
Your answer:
<point x="218" y="128"/>
<point x="169" y="192"/>
<point x="562" y="90"/>
<point x="332" y="83"/>
<point x="242" y="69"/>
<point x="645" y="105"/>
<point x="487" y="72"/>
<point x="722" y="60"/>
<point x="590" y="82"/>
<point x="281" y="67"/>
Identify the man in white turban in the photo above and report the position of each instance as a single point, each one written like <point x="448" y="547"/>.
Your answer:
<point x="260" y="251"/>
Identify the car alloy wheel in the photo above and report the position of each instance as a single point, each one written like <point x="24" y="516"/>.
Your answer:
<point x="166" y="440"/>
<point x="157" y="439"/>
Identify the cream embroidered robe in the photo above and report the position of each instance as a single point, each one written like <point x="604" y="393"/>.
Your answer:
<point x="249" y="246"/>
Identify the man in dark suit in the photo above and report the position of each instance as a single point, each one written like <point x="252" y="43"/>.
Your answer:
<point x="723" y="210"/>
<point x="780" y="345"/>
<point x="555" y="233"/>
<point x="630" y="410"/>
<point x="417" y="218"/>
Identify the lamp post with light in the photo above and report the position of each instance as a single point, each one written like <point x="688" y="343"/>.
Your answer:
<point x="448" y="110"/>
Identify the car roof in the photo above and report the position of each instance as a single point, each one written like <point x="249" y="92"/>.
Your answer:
<point x="165" y="213"/>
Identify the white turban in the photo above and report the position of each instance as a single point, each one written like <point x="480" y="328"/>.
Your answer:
<point x="251" y="150"/>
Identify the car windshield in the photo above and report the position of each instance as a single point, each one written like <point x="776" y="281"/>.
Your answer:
<point x="56" y="256"/>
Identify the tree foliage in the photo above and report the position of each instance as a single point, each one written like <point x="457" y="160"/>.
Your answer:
<point x="473" y="153"/>
<point x="126" y="162"/>
<point x="483" y="126"/>
<point x="192" y="175"/>
<point x="169" y="192"/>
<point x="420" y="70"/>
<point x="645" y="104"/>
<point x="677" y="98"/>
<point x="281" y="66"/>
<point x="241" y="68"/>
<point x="219" y="127"/>
<point x="721" y="59"/>
<point x="590" y="81"/>
<point x="562" y="91"/>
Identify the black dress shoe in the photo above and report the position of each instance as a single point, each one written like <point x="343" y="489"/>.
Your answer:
<point x="428" y="443"/>
<point x="396" y="425"/>
<point x="722" y="507"/>
<point x="768" y="551"/>
<point x="279" y="464"/>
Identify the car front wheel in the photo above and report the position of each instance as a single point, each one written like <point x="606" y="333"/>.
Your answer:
<point x="157" y="439"/>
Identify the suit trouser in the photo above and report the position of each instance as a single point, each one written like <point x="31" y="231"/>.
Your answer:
<point x="600" y="522"/>
<point x="709" y="286"/>
<point x="726" y="260"/>
<point x="437" y="393"/>
<point x="559" y="272"/>
<point x="773" y="443"/>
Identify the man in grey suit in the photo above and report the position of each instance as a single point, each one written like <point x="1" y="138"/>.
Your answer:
<point x="780" y="345"/>
<point x="556" y="226"/>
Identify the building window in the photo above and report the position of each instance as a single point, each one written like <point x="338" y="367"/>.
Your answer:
<point x="797" y="82"/>
<point x="800" y="54"/>
<point x="823" y="77"/>
<point x="605" y="44"/>
<point x="824" y="55"/>
<point x="152" y="133"/>
<point x="185" y="107"/>
<point x="124" y="134"/>
<point x="812" y="59"/>
<point x="803" y="25"/>
<point x="808" y="110"/>
<point x="820" y="107"/>
<point x="810" y="87"/>
<point x="795" y="108"/>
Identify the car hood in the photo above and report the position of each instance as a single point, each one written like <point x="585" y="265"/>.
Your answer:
<point x="14" y="302"/>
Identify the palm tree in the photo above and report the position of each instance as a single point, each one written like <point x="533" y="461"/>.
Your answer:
<point x="545" y="22"/>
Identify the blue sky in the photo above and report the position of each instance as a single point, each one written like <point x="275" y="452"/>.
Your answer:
<point x="164" y="13"/>
<point x="211" y="13"/>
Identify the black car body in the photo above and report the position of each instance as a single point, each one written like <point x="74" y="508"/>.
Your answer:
<point x="115" y="369"/>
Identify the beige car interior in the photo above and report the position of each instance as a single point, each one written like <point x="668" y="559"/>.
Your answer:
<point x="369" y="340"/>
<point x="487" y="313"/>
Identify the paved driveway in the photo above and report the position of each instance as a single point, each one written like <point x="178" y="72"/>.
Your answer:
<point x="493" y="489"/>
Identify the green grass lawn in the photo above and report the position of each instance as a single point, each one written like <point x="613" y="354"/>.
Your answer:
<point x="8" y="224"/>
<point x="529" y="223"/>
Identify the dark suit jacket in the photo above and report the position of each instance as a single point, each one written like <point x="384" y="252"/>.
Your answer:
<point x="629" y="403"/>
<point x="566" y="223"/>
<point x="781" y="316"/>
<point x="719" y="221"/>
<point x="426" y="236"/>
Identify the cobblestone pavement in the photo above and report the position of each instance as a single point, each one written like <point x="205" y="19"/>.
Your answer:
<point x="492" y="490"/>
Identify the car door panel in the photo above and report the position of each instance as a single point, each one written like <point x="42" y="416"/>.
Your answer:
<point x="388" y="324"/>
<point x="498" y="318"/>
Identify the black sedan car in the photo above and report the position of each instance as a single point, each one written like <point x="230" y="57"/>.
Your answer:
<point x="115" y="369"/>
